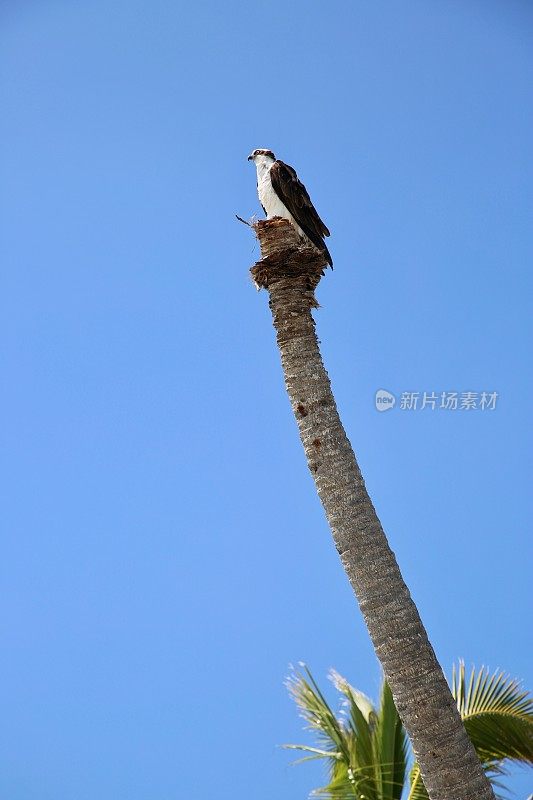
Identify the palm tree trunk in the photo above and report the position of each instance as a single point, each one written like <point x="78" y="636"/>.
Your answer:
<point x="448" y="762"/>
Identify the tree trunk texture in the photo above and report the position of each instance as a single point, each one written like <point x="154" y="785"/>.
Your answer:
<point x="448" y="762"/>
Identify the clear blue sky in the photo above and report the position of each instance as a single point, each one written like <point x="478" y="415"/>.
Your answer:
<point x="165" y="556"/>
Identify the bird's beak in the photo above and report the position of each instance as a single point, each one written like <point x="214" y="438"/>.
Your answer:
<point x="250" y="158"/>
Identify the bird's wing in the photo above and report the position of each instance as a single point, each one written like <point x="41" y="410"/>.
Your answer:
<point x="294" y="196"/>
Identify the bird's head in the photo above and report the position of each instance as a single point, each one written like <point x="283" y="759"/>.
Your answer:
<point x="261" y="155"/>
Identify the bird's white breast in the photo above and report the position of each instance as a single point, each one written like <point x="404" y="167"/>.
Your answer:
<point x="268" y="198"/>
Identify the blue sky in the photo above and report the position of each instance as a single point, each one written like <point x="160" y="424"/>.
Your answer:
<point x="165" y="557"/>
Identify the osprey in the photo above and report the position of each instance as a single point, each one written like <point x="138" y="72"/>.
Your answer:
<point x="281" y="194"/>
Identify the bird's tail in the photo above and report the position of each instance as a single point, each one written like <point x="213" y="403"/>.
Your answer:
<point x="320" y="244"/>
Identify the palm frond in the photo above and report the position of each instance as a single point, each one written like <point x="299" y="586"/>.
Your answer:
<point x="390" y="748"/>
<point x="316" y="753"/>
<point x="341" y="786"/>
<point x="364" y="704"/>
<point x="366" y="749"/>
<point x="497" y="714"/>
<point x="320" y="718"/>
<point x="417" y="790"/>
<point x="360" y="717"/>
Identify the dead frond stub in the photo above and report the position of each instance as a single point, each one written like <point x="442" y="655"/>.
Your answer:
<point x="286" y="257"/>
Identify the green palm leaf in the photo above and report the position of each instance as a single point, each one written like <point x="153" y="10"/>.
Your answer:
<point x="497" y="713"/>
<point x="360" y="722"/>
<point x="320" y="718"/>
<point x="366" y="749"/>
<point x="390" y="748"/>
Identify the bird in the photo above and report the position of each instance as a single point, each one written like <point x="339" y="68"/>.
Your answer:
<point x="282" y="194"/>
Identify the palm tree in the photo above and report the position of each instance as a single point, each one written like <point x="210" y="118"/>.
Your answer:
<point x="366" y="747"/>
<point x="448" y="761"/>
